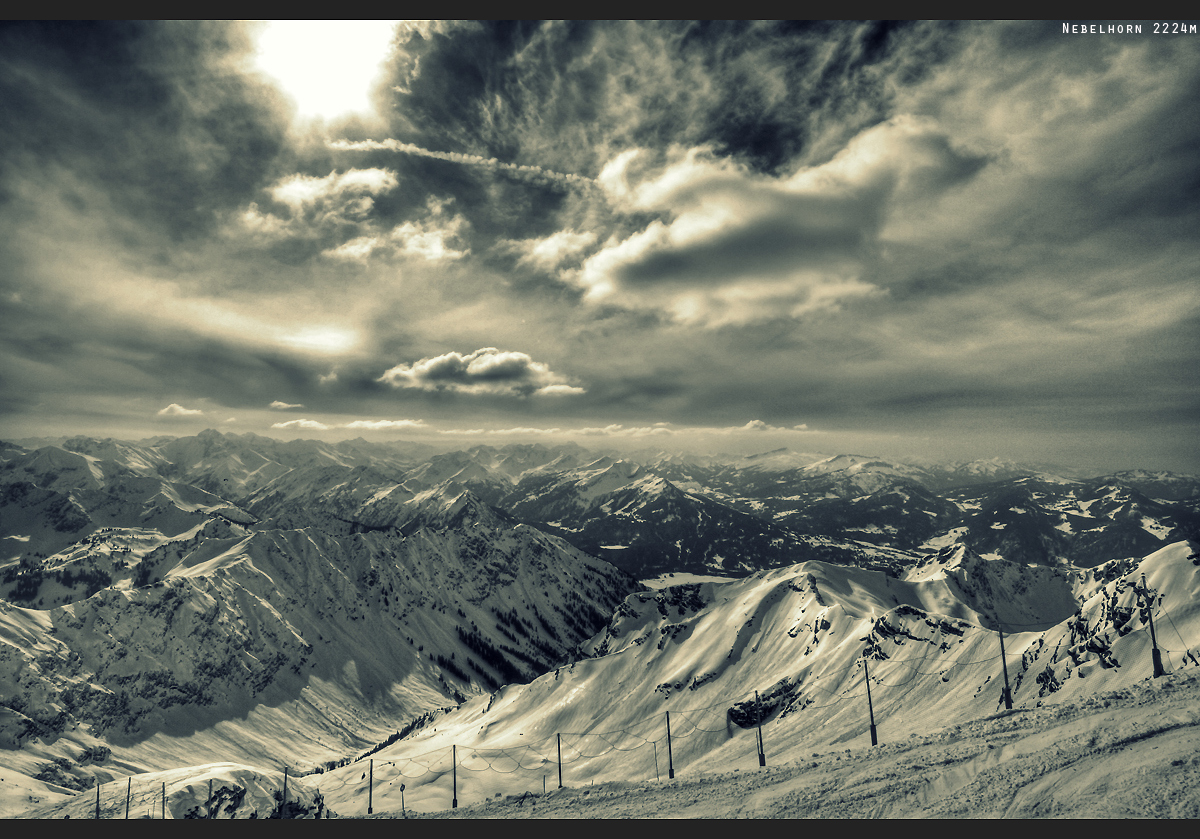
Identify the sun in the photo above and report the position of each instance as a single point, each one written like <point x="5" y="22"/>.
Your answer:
<point x="327" y="67"/>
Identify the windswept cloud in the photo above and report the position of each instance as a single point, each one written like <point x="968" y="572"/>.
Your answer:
<point x="439" y="237"/>
<point x="177" y="410"/>
<point x="735" y="245"/>
<point x="550" y="252"/>
<point x="315" y="208"/>
<point x="284" y="406"/>
<point x="485" y="371"/>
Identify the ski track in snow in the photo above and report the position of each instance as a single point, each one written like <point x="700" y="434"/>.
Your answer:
<point x="1133" y="753"/>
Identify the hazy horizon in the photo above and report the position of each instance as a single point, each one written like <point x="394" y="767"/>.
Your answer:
<point x="725" y="445"/>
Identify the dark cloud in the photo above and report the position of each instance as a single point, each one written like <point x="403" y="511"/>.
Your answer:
<point x="156" y="115"/>
<point x="569" y="95"/>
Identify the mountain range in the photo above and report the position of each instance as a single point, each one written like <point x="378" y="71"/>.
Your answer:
<point x="244" y="602"/>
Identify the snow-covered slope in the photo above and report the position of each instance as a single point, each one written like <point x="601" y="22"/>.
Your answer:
<point x="802" y="638"/>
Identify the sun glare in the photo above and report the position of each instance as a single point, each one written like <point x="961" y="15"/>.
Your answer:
<point x="326" y="66"/>
<point x="323" y="340"/>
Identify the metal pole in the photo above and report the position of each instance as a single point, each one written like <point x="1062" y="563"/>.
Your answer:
<point x="559" y="736"/>
<point x="164" y="800"/>
<point x="98" y="800"/>
<point x="1155" y="655"/>
<point x="210" y="798"/>
<point x="371" y="786"/>
<point x="870" y="707"/>
<point x="762" y="757"/>
<point x="128" y="789"/>
<point x="1004" y="667"/>
<point x="283" y="807"/>
<point x="454" y="777"/>
<point x="670" y="756"/>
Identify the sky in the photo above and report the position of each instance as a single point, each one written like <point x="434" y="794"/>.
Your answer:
<point x="947" y="240"/>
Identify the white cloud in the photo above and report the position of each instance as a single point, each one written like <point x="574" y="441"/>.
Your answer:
<point x="559" y="390"/>
<point x="357" y="425"/>
<point x="485" y="371"/>
<point x="381" y="425"/>
<point x="284" y="406"/>
<point x="430" y="239"/>
<point x="177" y="410"/>
<point x="311" y="425"/>
<point x="264" y="225"/>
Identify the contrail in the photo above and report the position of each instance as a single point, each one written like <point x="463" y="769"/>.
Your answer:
<point x="534" y="172"/>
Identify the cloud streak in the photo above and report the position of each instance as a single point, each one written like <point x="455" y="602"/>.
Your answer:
<point x="530" y="172"/>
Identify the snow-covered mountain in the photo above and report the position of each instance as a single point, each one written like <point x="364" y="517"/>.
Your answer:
<point x="224" y="599"/>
